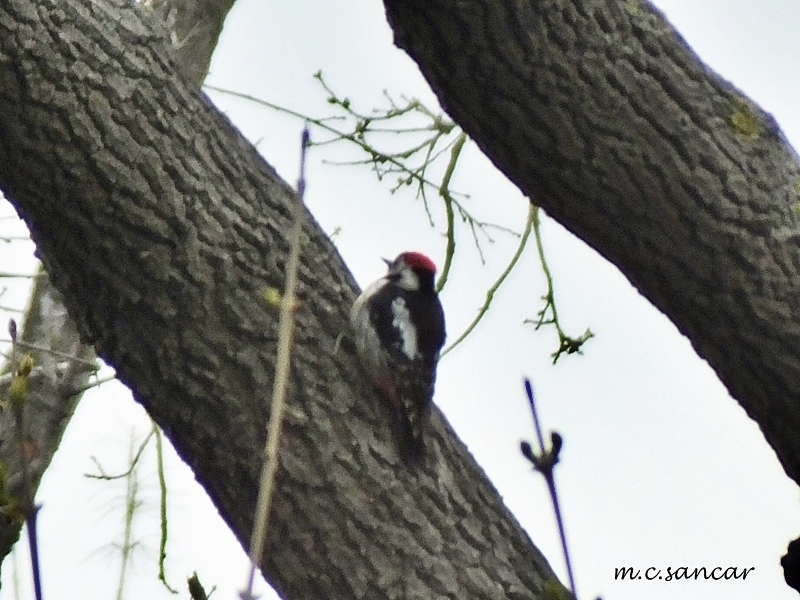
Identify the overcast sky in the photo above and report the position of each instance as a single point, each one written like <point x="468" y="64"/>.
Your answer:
<point x="659" y="468"/>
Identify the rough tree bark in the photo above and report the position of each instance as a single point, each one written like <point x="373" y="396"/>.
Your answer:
<point x="162" y="227"/>
<point x="193" y="27"/>
<point x="62" y="369"/>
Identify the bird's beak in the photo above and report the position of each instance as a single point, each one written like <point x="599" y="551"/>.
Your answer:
<point x="387" y="261"/>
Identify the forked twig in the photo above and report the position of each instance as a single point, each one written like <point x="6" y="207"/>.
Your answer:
<point x="545" y="462"/>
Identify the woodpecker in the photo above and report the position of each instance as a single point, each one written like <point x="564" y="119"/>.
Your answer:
<point x="398" y="326"/>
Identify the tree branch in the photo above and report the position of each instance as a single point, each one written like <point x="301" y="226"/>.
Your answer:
<point x="600" y="111"/>
<point x="162" y="227"/>
<point x="54" y="385"/>
<point x="48" y="327"/>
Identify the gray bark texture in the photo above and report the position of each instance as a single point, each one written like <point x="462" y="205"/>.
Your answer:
<point x="162" y="228"/>
<point x="194" y="27"/>
<point x="63" y="363"/>
<point x="600" y="112"/>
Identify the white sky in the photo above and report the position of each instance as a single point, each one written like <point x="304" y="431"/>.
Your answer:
<point x="660" y="467"/>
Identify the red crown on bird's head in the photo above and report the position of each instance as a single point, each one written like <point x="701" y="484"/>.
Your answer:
<point x="417" y="260"/>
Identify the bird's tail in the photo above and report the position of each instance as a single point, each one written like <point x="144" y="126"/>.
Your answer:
<point x="410" y="411"/>
<point x="409" y="427"/>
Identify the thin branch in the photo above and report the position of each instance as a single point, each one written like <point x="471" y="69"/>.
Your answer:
<point x="94" y="384"/>
<point x="162" y="485"/>
<point x="384" y="163"/>
<point x="65" y="355"/>
<point x="281" y="383"/>
<point x="545" y="463"/>
<point x="493" y="289"/>
<point x="21" y="275"/>
<point x="33" y="542"/>
<point x="444" y="192"/>
<point x="104" y="476"/>
<point x="11" y="308"/>
<point x="566" y="344"/>
<point x="132" y="503"/>
<point x="321" y="123"/>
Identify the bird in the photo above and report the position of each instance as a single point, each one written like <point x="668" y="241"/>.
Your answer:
<point x="399" y="330"/>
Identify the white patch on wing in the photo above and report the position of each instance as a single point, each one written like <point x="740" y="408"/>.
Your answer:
<point x="408" y="333"/>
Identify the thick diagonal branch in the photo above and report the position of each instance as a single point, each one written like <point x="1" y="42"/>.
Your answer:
<point x="600" y="111"/>
<point x="162" y="227"/>
<point x="193" y="29"/>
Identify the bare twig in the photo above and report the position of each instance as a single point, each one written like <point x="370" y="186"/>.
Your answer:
<point x="162" y="485"/>
<point x="545" y="463"/>
<point x="21" y="275"/>
<point x="134" y="461"/>
<point x="566" y="344"/>
<point x="65" y="355"/>
<point x="33" y="542"/>
<point x="493" y="290"/>
<point x="411" y="164"/>
<point x="93" y="384"/>
<point x="281" y="383"/>
<point x="444" y="192"/>
<point x="384" y="162"/>
<point x="128" y="545"/>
